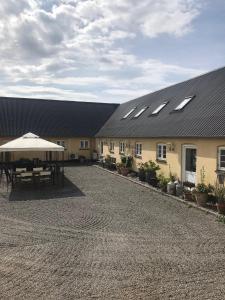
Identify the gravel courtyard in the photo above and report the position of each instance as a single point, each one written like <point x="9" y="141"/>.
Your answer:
<point x="104" y="237"/>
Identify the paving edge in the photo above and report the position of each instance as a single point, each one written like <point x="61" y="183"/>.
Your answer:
<point x="206" y="210"/>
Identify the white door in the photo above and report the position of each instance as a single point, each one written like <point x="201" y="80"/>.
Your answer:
<point x="189" y="163"/>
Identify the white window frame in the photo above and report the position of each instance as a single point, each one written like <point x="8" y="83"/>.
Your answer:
<point x="122" y="147"/>
<point x="84" y="144"/>
<point x="161" y="156"/>
<point x="159" y="108"/>
<point x="219" y="158"/>
<point x="129" y="113"/>
<point x="111" y="147"/>
<point x="140" y="112"/>
<point x="138" y="149"/>
<point x="183" y="103"/>
<point x="61" y="143"/>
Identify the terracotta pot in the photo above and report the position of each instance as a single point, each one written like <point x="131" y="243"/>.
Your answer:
<point x="188" y="196"/>
<point x="221" y="208"/>
<point x="124" y="171"/>
<point x="201" y="199"/>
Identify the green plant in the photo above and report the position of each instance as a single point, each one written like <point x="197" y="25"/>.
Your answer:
<point x="202" y="187"/>
<point x="163" y="181"/>
<point x="219" y="192"/>
<point x="126" y="161"/>
<point x="221" y="219"/>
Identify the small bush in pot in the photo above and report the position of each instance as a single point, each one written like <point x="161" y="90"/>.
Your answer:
<point x="171" y="185"/>
<point x="187" y="191"/>
<point x="202" y="190"/>
<point x="219" y="192"/>
<point x="150" y="174"/>
<point x="141" y="171"/>
<point x="163" y="181"/>
<point x="126" y="165"/>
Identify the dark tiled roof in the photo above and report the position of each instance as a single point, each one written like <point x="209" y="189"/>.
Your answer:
<point x="204" y="116"/>
<point x="51" y="117"/>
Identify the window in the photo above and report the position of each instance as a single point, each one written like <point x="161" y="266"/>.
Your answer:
<point x="140" y="112"/>
<point x="129" y="113"/>
<point x="111" y="147"/>
<point x="161" y="151"/>
<point x="159" y="108"/>
<point x="184" y="103"/>
<point x="84" y="144"/>
<point x="138" y="149"/>
<point x="122" y="147"/>
<point x="61" y="143"/>
<point x="221" y="158"/>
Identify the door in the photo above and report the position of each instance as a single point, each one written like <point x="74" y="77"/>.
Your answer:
<point x="189" y="163"/>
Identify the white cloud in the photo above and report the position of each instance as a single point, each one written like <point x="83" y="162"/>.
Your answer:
<point x="60" y="47"/>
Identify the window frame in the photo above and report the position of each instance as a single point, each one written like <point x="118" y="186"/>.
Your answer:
<point x="138" y="149"/>
<point x="122" y="149"/>
<point x="219" y="158"/>
<point x="161" y="157"/>
<point x="176" y="109"/>
<point x="84" y="143"/>
<point x="140" y="112"/>
<point x="129" y="113"/>
<point x="111" y="147"/>
<point x="61" y="143"/>
<point x="159" y="108"/>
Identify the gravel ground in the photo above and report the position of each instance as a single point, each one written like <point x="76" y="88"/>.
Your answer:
<point x="103" y="237"/>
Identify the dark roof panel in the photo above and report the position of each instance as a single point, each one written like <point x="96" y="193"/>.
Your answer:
<point x="203" y="116"/>
<point x="52" y="117"/>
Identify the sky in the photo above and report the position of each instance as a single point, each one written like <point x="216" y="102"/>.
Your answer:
<point x="106" y="50"/>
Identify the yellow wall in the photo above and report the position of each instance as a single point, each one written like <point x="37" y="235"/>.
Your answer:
<point x="206" y="154"/>
<point x="72" y="146"/>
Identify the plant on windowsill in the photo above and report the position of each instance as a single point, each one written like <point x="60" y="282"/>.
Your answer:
<point x="202" y="190"/>
<point x="219" y="192"/>
<point x="150" y="173"/>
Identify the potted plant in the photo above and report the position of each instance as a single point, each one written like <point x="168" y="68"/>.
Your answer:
<point x="150" y="173"/>
<point x="219" y="192"/>
<point x="202" y="190"/>
<point x="171" y="185"/>
<point x="187" y="190"/>
<point x="126" y="164"/>
<point x="163" y="181"/>
<point x="118" y="167"/>
<point x="141" y="171"/>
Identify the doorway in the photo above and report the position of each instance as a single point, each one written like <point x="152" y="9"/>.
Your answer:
<point x="189" y="163"/>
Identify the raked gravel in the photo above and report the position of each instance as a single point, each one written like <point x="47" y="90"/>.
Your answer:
<point x="108" y="238"/>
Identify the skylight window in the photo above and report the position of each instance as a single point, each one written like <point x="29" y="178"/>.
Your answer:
<point x="140" y="112"/>
<point x="129" y="113"/>
<point x="183" y="103"/>
<point x="159" y="108"/>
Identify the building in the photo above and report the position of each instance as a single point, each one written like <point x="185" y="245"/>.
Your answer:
<point x="67" y="123"/>
<point x="181" y="127"/>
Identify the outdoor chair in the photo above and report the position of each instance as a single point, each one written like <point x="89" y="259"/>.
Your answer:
<point x="46" y="176"/>
<point x="38" y="169"/>
<point x="21" y="169"/>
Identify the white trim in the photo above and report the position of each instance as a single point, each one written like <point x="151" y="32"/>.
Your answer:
<point x="85" y="143"/>
<point x="157" y="151"/>
<point x="183" y="159"/>
<point x="138" y="149"/>
<point x="219" y="158"/>
<point x="122" y="147"/>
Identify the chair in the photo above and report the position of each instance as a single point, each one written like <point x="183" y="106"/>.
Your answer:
<point x="38" y="169"/>
<point x="21" y="169"/>
<point x="45" y="176"/>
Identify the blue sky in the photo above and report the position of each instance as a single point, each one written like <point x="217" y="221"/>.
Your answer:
<point x="106" y="51"/>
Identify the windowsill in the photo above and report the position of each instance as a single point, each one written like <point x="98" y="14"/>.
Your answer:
<point x="161" y="161"/>
<point x="112" y="152"/>
<point x="220" y="171"/>
<point x="122" y="153"/>
<point x="84" y="149"/>
<point x="138" y="156"/>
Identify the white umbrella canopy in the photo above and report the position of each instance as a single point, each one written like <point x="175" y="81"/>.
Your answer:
<point x="30" y="142"/>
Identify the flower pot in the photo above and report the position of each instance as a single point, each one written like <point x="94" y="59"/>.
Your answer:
<point x="150" y="175"/>
<point x="179" y="189"/>
<point x="201" y="199"/>
<point x="171" y="188"/>
<point x="124" y="171"/>
<point x="141" y="175"/>
<point x="221" y="208"/>
<point x="188" y="196"/>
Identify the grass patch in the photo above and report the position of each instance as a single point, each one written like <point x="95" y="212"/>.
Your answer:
<point x="221" y="219"/>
